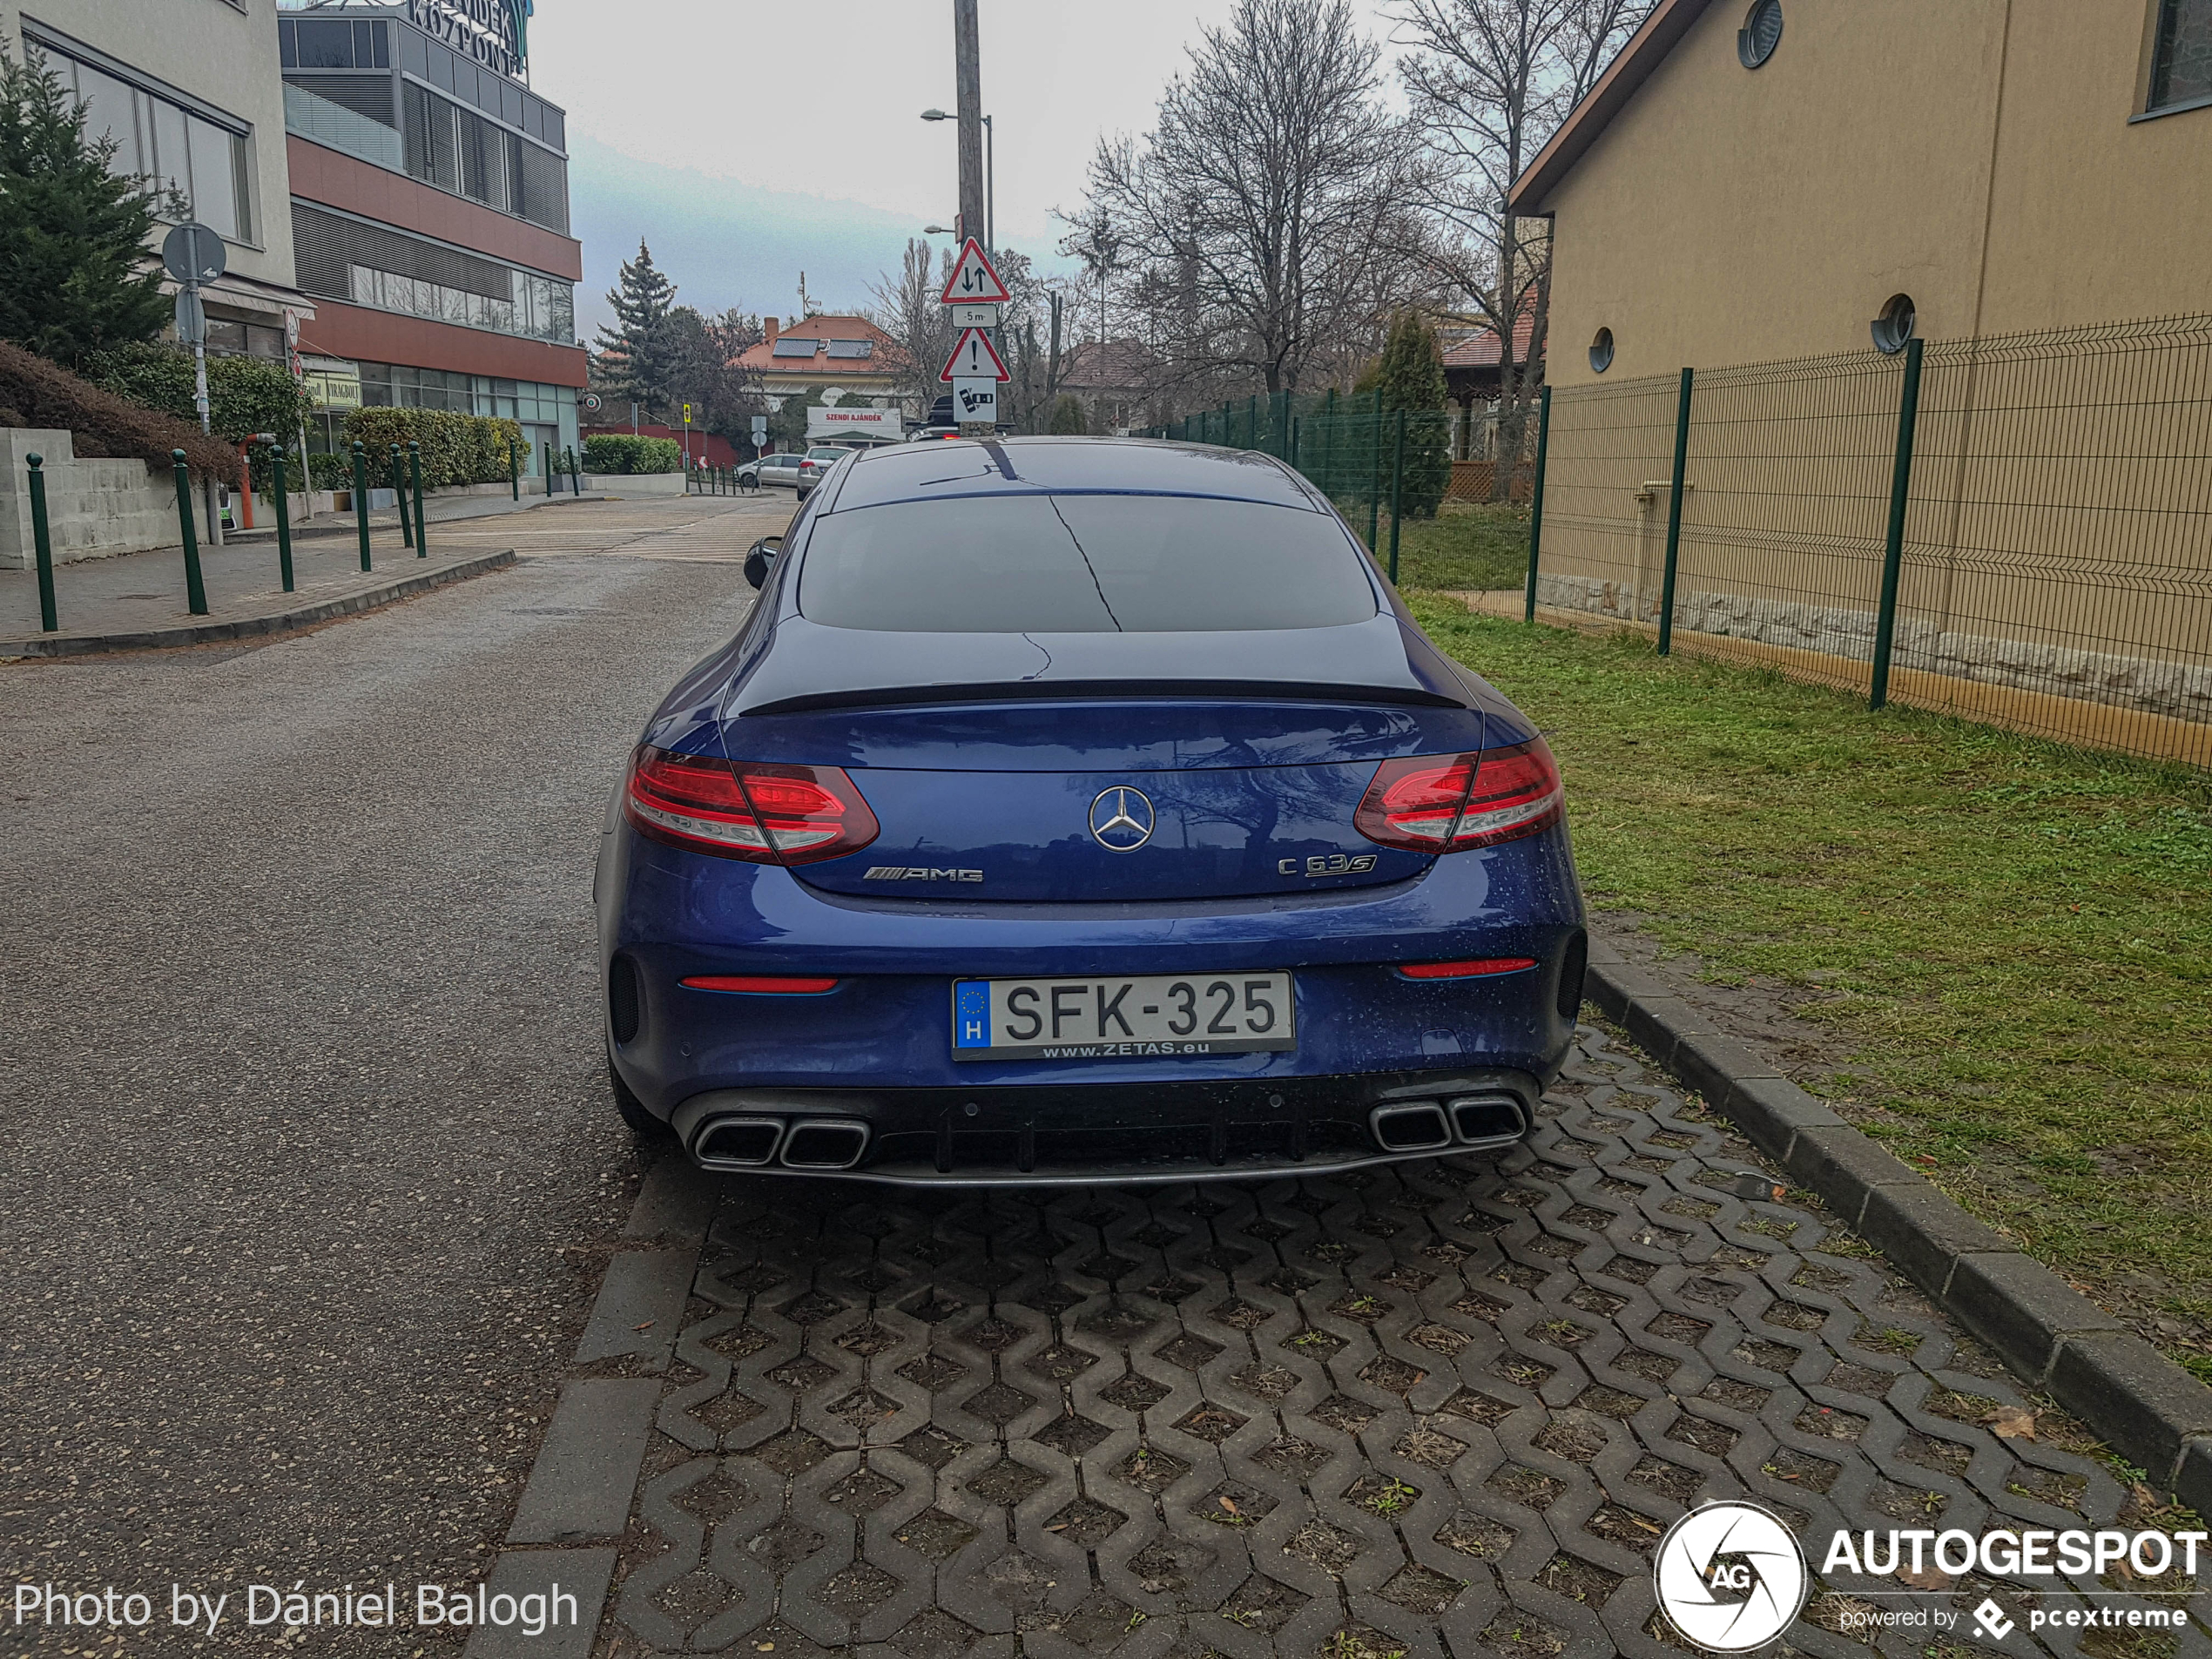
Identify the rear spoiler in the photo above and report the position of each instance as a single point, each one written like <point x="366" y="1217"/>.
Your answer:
<point x="1064" y="691"/>
<point x="808" y="666"/>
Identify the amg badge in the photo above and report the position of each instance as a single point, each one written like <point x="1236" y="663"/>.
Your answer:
<point x="1333" y="864"/>
<point x="921" y="873"/>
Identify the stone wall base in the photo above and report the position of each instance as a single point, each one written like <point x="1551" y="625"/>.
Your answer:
<point x="2183" y="691"/>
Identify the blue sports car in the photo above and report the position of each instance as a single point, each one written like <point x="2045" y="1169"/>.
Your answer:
<point x="1081" y="810"/>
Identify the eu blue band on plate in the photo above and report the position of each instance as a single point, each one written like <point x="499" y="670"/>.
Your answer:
<point x="972" y="1013"/>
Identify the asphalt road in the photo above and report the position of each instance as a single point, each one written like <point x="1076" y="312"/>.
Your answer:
<point x="307" y="1141"/>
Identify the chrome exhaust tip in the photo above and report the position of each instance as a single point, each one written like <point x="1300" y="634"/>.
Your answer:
<point x="1487" y="1120"/>
<point x="736" y="1142"/>
<point x="1409" y="1126"/>
<point x="824" y="1143"/>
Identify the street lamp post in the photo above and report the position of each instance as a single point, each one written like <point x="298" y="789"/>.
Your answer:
<point x="991" y="177"/>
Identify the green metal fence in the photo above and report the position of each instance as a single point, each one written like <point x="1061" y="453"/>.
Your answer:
<point x="2014" y="530"/>
<point x="1379" y="466"/>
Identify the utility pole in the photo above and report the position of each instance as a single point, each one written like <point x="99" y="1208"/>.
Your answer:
<point x="968" y="105"/>
<point x="968" y="75"/>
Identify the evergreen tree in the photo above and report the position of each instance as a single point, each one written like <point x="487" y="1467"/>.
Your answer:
<point x="641" y="347"/>
<point x="1068" y="418"/>
<point x="1410" y="376"/>
<point x="76" y="276"/>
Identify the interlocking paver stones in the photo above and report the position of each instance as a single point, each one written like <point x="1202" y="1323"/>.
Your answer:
<point x="1438" y="1409"/>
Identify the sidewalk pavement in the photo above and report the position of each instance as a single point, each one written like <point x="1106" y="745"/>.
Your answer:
<point x="137" y="601"/>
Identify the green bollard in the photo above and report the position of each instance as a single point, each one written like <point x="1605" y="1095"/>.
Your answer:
<point x="514" y="471"/>
<point x="284" y="513"/>
<point x="399" y="492"/>
<point x="360" y="496"/>
<point x="195" y="589"/>
<point x="576" y="474"/>
<point x="48" y="622"/>
<point x="421" y="517"/>
<point x="1397" y="494"/>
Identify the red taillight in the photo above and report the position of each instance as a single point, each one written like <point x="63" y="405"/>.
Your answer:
<point x="766" y="815"/>
<point x="1474" y="969"/>
<point x="759" y="984"/>
<point x="1451" y="803"/>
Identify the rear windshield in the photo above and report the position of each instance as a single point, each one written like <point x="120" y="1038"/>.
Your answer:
<point x="1082" y="564"/>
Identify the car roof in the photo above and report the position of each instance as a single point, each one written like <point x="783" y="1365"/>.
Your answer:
<point x="1067" y="466"/>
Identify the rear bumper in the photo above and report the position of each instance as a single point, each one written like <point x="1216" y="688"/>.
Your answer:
<point x="1042" y="1134"/>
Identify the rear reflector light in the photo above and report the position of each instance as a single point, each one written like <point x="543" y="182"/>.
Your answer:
<point x="1474" y="969"/>
<point x="761" y="814"/>
<point x="759" y="985"/>
<point x="1452" y="803"/>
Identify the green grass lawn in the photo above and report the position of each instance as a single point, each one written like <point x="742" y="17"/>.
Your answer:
<point x="1464" y="548"/>
<point x="2008" y="943"/>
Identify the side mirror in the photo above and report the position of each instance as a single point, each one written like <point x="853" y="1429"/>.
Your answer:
<point x="760" y="557"/>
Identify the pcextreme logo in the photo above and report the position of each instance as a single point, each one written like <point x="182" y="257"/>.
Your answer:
<point x="1729" y="1576"/>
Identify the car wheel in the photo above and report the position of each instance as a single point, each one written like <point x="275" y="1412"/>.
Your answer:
<point x="634" y="1111"/>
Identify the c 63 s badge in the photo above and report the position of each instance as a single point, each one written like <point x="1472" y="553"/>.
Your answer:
<point x="1329" y="863"/>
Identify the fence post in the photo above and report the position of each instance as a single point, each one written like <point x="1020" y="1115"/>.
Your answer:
<point x="1908" y="416"/>
<point x="514" y="471"/>
<point x="399" y="494"/>
<point x="576" y="474"/>
<point x="1397" y="493"/>
<point x="1673" y="518"/>
<point x="42" y="541"/>
<point x="1374" y="475"/>
<point x="195" y="589"/>
<point x="283" y="512"/>
<point x="1290" y="443"/>
<point x="421" y="517"/>
<point x="360" y="498"/>
<point x="1536" y="500"/>
<point x="1252" y="421"/>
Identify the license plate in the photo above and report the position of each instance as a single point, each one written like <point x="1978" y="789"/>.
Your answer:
<point x="1109" y="1018"/>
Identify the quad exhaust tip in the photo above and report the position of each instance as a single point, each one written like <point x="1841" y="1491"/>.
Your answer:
<point x="1427" y="1125"/>
<point x="1410" y="1126"/>
<point x="824" y="1143"/>
<point x="1487" y="1120"/>
<point x="737" y="1142"/>
<point x="756" y="1142"/>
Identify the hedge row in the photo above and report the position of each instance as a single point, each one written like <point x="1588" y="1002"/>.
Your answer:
<point x="246" y="395"/>
<point x="456" y="448"/>
<point x="624" y="452"/>
<point x="36" y="393"/>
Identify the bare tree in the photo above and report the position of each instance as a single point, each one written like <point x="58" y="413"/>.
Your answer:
<point x="907" y="307"/>
<point x="1269" y="201"/>
<point x="1489" y="82"/>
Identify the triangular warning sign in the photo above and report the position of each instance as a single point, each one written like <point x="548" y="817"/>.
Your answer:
<point x="973" y="282"/>
<point x="974" y="359"/>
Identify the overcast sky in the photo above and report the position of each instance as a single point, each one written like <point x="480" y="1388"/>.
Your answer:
<point x="807" y="117"/>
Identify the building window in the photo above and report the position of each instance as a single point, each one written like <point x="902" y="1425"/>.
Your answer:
<point x="2181" y="69"/>
<point x="1602" y="351"/>
<point x="1894" y="326"/>
<point x="458" y="150"/>
<point x="1761" y="33"/>
<point x="308" y="42"/>
<point x="175" y="149"/>
<point x="340" y="258"/>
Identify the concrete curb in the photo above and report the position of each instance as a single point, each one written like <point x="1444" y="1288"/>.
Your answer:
<point x="584" y="1479"/>
<point x="2149" y="1409"/>
<point x="282" y="622"/>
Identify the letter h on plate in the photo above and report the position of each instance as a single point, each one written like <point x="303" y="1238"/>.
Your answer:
<point x="972" y="1015"/>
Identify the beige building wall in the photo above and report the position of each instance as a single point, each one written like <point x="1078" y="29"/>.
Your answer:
<point x="1984" y="156"/>
<point x="222" y="53"/>
<point x="1730" y="216"/>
